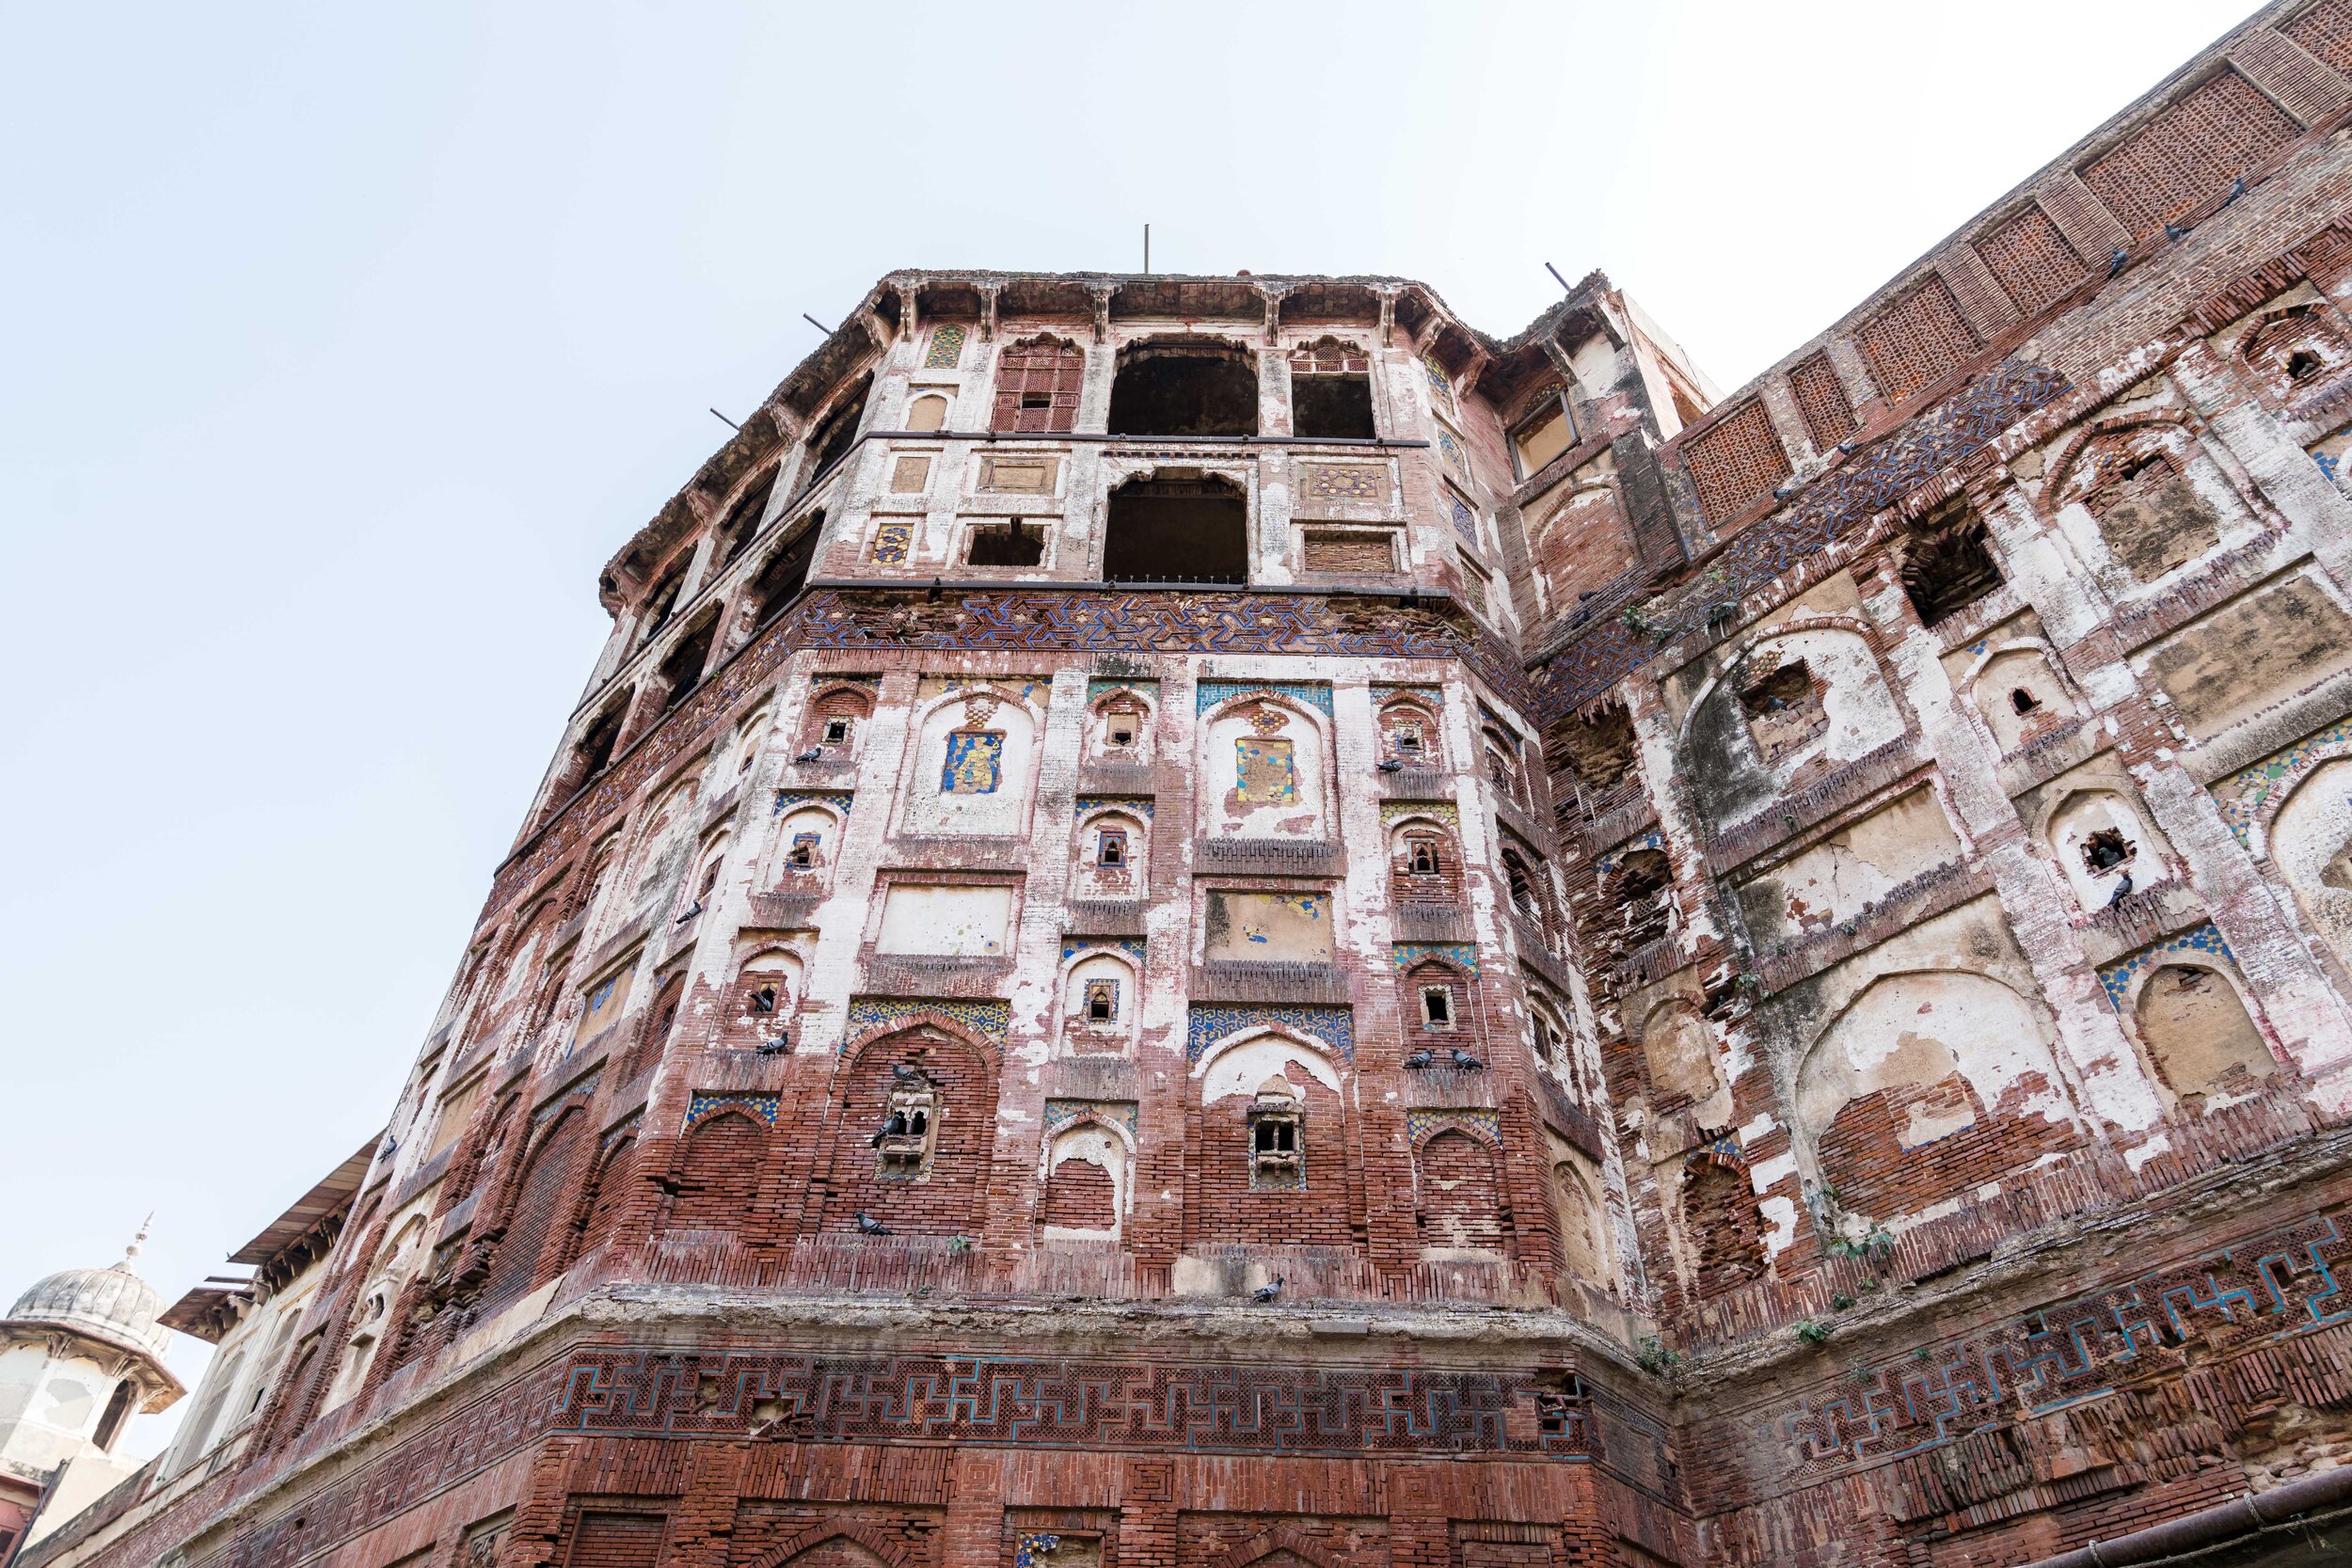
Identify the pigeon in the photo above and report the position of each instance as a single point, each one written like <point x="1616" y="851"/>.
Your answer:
<point x="1466" y="1062"/>
<point x="2116" y="260"/>
<point x="1267" y="1293"/>
<point x="895" y="1127"/>
<point x="1776" y="705"/>
<point x="868" y="1226"/>
<point x="1417" y="1059"/>
<point x="770" y="1048"/>
<point x="2123" y="889"/>
<point x="692" y="911"/>
<point x="811" y="754"/>
<point x="2237" y="188"/>
<point x="1390" y="765"/>
<point x="2176" y="231"/>
<point x="904" y="1073"/>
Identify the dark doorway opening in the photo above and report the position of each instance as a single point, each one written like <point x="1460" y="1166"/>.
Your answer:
<point x="1169" y="529"/>
<point x="1186" y="386"/>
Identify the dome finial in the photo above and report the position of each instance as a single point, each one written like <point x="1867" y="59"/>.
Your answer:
<point x="131" y="1253"/>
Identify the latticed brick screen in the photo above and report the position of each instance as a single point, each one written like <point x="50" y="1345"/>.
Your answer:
<point x="2190" y="152"/>
<point x="2030" y="259"/>
<point x="1735" y="460"/>
<point x="1828" y="414"/>
<point x="1916" y="340"/>
<point x="1038" y="386"/>
<point x="2325" y="32"/>
<point x="616" y="1540"/>
<point x="1349" y="552"/>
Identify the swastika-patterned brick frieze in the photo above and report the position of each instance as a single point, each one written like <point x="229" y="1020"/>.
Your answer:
<point x="1409" y="947"/>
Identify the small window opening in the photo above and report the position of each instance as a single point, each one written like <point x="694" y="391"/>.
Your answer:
<point x="1946" y="567"/>
<point x="836" y="732"/>
<point x="1437" y="1006"/>
<point x="919" y="1122"/>
<point x="117" y="1410"/>
<point x="803" y="853"/>
<point x="1275" y="1136"/>
<point x="1111" y="848"/>
<point x="1006" y="545"/>
<point x="2153" y="467"/>
<point x="1036" y="399"/>
<point x="762" y="1001"/>
<point x="1102" y="1001"/>
<point x="2106" y="850"/>
<point x="1421" y="856"/>
<point x="2024" y="701"/>
<point x="1542" y="437"/>
<point x="1123" y="731"/>
<point x="2302" y="365"/>
<point x="1408" y="740"/>
<point x="1784" y="711"/>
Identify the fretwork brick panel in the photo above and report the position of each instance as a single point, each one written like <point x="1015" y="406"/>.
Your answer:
<point x="1822" y="399"/>
<point x="1735" y="461"/>
<point x="2324" y="33"/>
<point x="2189" y="152"/>
<point x="616" y="1540"/>
<point x="2030" y="259"/>
<point x="1917" y="340"/>
<point x="1038" y="386"/>
<point x="541" y="1203"/>
<point x="946" y="1197"/>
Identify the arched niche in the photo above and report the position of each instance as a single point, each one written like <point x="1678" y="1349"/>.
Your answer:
<point x="807" y="841"/>
<point x="1458" y="1194"/>
<point x="1926" y="1084"/>
<point x="2310" y="844"/>
<point x="1425" y="859"/>
<point x="1680" y="1055"/>
<point x="936" y="1183"/>
<point x="836" y="720"/>
<point x="1790" y="700"/>
<point x="1584" y="1250"/>
<point x="2097" y="839"/>
<point x="1265" y="769"/>
<point x="2202" y="1042"/>
<point x="1087" y="1182"/>
<point x="2020" y="695"/>
<point x="1102" y="1002"/>
<point x="1113" y="854"/>
<point x="2141" y="498"/>
<point x="1118" y="727"/>
<point x="926" y="411"/>
<point x="1411" y="734"/>
<point x="975" y="764"/>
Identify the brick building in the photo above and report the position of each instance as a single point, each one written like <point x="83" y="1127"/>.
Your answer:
<point x="1202" y="922"/>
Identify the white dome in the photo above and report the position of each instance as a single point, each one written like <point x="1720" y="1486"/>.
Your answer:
<point x="113" y="1305"/>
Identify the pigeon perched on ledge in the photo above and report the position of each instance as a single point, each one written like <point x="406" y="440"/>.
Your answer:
<point x="868" y="1226"/>
<point x="1267" y="1293"/>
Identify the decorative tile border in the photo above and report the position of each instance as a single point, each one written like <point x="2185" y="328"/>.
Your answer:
<point x="1487" y="1125"/>
<point x="1725" y="1152"/>
<point x="1139" y="804"/>
<point x="1029" y="690"/>
<point x="2251" y="790"/>
<point x="1394" y="812"/>
<point x="1146" y="686"/>
<point x="629" y="1127"/>
<point x="1405" y="955"/>
<point x="1061" y="1112"/>
<point x="1204" y="1025"/>
<point x="1610" y="861"/>
<point x="869" y="1014"/>
<point x="1315" y="694"/>
<point x="2116" y="979"/>
<point x="871" y="683"/>
<point x="1433" y="695"/>
<point x="1072" y="946"/>
<point x="793" y="800"/>
<point x="760" y="1107"/>
<point x="1027" y="1550"/>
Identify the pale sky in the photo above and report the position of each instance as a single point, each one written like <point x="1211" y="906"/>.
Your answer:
<point x="344" y="344"/>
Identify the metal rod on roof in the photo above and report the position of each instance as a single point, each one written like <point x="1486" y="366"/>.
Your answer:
<point x="725" y="421"/>
<point x="1557" y="278"/>
<point x="817" y="325"/>
<point x="1147" y="248"/>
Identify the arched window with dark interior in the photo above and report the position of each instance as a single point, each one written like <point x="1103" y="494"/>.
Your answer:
<point x="742" y="520"/>
<point x="780" y="581"/>
<point x="1177" y="530"/>
<point x="833" y="436"/>
<point x="659" y="602"/>
<point x="592" y="753"/>
<point x="1184" y="386"/>
<point x="682" y="671"/>
<point x="1331" y="392"/>
<point x="118" y="1411"/>
<point x="1038" y="383"/>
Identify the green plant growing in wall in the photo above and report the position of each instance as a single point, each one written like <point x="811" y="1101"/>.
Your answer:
<point x="1658" y="1357"/>
<point x="1813" y="1333"/>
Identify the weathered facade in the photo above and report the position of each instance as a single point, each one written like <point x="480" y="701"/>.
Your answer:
<point x="1201" y="921"/>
